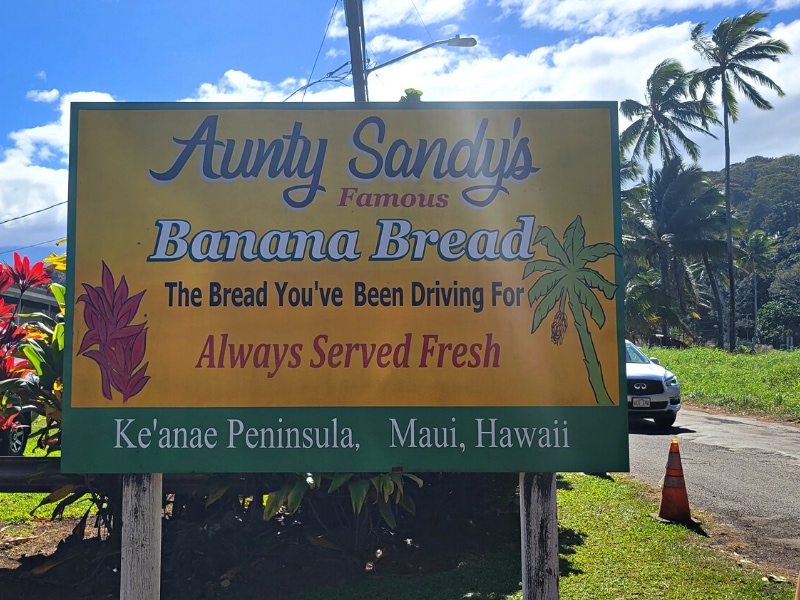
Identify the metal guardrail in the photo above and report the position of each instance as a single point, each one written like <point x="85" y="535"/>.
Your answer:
<point x="43" y="474"/>
<point x="29" y="474"/>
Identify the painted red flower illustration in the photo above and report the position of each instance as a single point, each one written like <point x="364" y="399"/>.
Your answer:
<point x="117" y="346"/>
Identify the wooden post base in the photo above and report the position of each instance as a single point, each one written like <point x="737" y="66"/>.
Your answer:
<point x="140" y="572"/>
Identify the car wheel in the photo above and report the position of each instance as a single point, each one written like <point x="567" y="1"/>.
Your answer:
<point x="666" y="420"/>
<point x="13" y="442"/>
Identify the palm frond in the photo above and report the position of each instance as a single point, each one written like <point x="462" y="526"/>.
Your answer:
<point x="595" y="252"/>
<point x="547" y="304"/>
<point x="547" y="238"/>
<point x="539" y="265"/>
<point x="590" y="302"/>
<point x="595" y="280"/>
<point x="544" y="285"/>
<point x="574" y="239"/>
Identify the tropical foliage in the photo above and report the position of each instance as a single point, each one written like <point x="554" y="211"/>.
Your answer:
<point x="735" y="45"/>
<point x="659" y="122"/>
<point x="683" y="227"/>
<point x="31" y="352"/>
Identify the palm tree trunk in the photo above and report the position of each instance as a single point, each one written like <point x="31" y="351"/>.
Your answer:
<point x="665" y="279"/>
<point x="729" y="226"/>
<point x="712" y="279"/>
<point x="593" y="368"/>
<point x="755" y="306"/>
<point x="677" y="273"/>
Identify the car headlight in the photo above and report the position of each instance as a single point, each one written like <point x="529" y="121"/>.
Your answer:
<point x="670" y="379"/>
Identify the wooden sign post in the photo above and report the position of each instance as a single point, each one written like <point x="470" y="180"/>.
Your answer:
<point x="140" y="571"/>
<point x="539" y="527"/>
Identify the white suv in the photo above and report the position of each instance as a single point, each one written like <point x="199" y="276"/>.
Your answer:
<point x="653" y="392"/>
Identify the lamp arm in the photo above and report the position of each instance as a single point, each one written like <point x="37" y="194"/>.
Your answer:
<point x="406" y="55"/>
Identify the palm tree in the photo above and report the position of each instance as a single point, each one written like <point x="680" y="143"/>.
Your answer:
<point x="756" y="252"/>
<point x="647" y="307"/>
<point x="679" y="218"/>
<point x="731" y="50"/>
<point x="567" y="280"/>
<point x="668" y="110"/>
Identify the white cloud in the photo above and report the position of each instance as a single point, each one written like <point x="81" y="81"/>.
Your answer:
<point x="390" y="43"/>
<point x="597" y="16"/>
<point x="380" y="15"/>
<point x="27" y="186"/>
<point x="52" y="137"/>
<point x="599" y="68"/>
<point x="237" y="86"/>
<point x="46" y="96"/>
<point x="449" y="30"/>
<point x="785" y="4"/>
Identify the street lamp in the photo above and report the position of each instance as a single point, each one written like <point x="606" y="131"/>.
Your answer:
<point x="458" y="41"/>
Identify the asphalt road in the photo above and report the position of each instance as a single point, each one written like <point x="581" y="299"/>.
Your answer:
<point x="746" y="471"/>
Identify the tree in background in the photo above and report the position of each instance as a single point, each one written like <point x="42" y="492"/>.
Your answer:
<point x="668" y="111"/>
<point x="678" y="220"/>
<point x="756" y="253"/>
<point x="780" y="317"/>
<point x="411" y="95"/>
<point x="733" y="47"/>
<point x="647" y="307"/>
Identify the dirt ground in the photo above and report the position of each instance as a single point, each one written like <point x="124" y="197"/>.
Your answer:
<point x="228" y="557"/>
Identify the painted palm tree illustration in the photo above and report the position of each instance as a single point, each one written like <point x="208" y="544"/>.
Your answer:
<point x="568" y="282"/>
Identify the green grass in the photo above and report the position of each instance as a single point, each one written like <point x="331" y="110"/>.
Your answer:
<point x="16" y="509"/>
<point x="624" y="553"/>
<point x="611" y="549"/>
<point x="767" y="384"/>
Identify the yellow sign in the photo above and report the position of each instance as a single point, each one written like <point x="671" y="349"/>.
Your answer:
<point x="345" y="255"/>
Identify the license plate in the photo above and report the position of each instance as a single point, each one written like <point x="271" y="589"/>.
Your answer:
<point x="641" y="403"/>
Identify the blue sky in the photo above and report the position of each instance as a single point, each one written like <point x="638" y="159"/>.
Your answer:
<point x="257" y="50"/>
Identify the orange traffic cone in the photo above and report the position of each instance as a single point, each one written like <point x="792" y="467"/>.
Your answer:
<point x="674" y="507"/>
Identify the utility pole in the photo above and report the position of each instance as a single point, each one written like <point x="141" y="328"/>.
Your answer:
<point x="354" y="18"/>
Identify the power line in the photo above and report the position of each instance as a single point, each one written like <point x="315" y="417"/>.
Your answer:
<point x="32" y="246"/>
<point x="425" y="25"/>
<point x="321" y="44"/>
<point x="328" y="77"/>
<point x="421" y="20"/>
<point x="32" y="213"/>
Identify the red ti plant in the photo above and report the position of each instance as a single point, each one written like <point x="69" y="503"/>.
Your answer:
<point x="14" y="367"/>
<point x="25" y="276"/>
<point x="11" y="335"/>
<point x="117" y="346"/>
